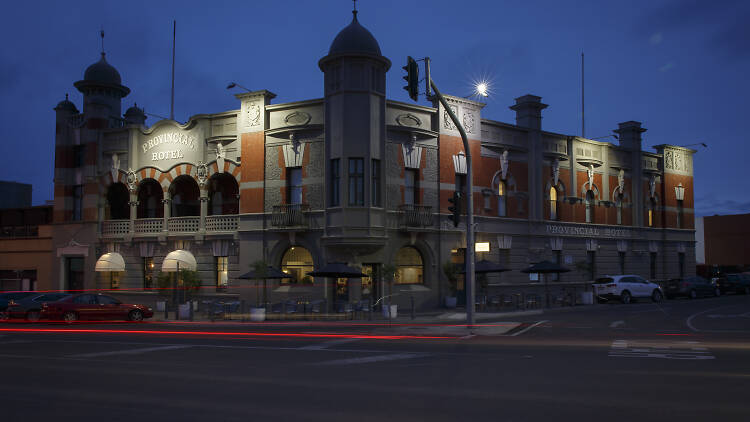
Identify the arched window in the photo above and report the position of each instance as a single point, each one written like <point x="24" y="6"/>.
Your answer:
<point x="409" y="266"/>
<point x="501" y="198"/>
<point x="150" y="195"/>
<point x="117" y="202"/>
<point x="651" y="208"/>
<point x="297" y="262"/>
<point x="222" y="195"/>
<point x="185" y="195"/>
<point x="589" y="206"/>
<point x="618" y="206"/>
<point x="552" y="203"/>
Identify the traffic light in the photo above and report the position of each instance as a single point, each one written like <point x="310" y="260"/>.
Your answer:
<point x="455" y="208"/>
<point x="412" y="78"/>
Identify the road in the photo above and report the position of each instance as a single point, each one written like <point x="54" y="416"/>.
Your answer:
<point x="679" y="360"/>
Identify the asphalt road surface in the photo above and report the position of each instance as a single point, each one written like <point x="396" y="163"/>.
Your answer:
<point x="680" y="360"/>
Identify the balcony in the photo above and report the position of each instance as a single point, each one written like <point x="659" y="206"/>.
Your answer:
<point x="222" y="223"/>
<point x="148" y="226"/>
<point x="189" y="224"/>
<point x="415" y="216"/>
<point x="290" y="215"/>
<point x="115" y="228"/>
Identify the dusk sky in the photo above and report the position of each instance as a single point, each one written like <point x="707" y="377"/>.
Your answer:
<point x="680" y="67"/>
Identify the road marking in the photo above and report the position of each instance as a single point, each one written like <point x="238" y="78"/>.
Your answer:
<point x="616" y="324"/>
<point x="129" y="352"/>
<point x="466" y="337"/>
<point x="745" y="315"/>
<point x="528" y="328"/>
<point x="370" y="359"/>
<point x="675" y="350"/>
<point x="328" y="344"/>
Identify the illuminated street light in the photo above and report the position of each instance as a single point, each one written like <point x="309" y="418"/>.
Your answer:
<point x="481" y="89"/>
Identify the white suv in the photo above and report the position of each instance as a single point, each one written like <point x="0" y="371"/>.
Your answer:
<point x="626" y="288"/>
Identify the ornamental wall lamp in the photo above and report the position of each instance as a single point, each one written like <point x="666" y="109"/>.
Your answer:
<point x="679" y="192"/>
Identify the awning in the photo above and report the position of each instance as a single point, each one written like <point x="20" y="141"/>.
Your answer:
<point x="111" y="261"/>
<point x="185" y="259"/>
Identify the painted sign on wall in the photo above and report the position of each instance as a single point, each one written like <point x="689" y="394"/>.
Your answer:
<point x="167" y="148"/>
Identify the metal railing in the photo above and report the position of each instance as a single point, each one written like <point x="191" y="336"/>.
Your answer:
<point x="415" y="216"/>
<point x="290" y="215"/>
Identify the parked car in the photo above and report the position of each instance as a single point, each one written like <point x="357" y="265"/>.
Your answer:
<point x="30" y="307"/>
<point x="735" y="283"/>
<point x="691" y="287"/>
<point x="88" y="306"/>
<point x="10" y="298"/>
<point x="626" y="288"/>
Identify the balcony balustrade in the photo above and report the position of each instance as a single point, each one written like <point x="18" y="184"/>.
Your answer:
<point x="148" y="225"/>
<point x="115" y="228"/>
<point x="290" y="215"/>
<point x="189" y="224"/>
<point x="222" y="223"/>
<point x="415" y="216"/>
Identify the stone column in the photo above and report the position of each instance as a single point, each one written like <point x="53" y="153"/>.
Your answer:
<point x="204" y="210"/>
<point x="133" y="210"/>
<point x="167" y="201"/>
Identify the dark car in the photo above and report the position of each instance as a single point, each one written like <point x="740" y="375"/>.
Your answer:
<point x="735" y="283"/>
<point x="30" y="307"/>
<point x="10" y="298"/>
<point x="88" y="306"/>
<point x="691" y="287"/>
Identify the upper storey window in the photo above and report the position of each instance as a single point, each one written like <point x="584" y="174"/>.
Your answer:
<point x="411" y="188"/>
<point x="552" y="203"/>
<point x="589" y="206"/>
<point x="294" y="185"/>
<point x="356" y="182"/>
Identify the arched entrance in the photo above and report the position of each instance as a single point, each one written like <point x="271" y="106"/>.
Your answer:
<point x="185" y="196"/>
<point x="222" y="195"/>
<point x="150" y="195"/>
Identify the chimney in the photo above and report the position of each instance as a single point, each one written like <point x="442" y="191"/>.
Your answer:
<point x="629" y="134"/>
<point x="529" y="111"/>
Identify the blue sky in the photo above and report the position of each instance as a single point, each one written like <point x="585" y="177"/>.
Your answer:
<point x="680" y="67"/>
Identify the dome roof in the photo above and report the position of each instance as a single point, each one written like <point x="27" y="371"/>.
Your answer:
<point x="66" y="105"/>
<point x="134" y="111"/>
<point x="355" y="38"/>
<point x="102" y="72"/>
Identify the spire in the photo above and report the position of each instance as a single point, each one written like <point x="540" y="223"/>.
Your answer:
<point x="101" y="34"/>
<point x="354" y="11"/>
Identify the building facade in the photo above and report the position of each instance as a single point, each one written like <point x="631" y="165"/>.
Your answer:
<point x="354" y="177"/>
<point x="25" y="248"/>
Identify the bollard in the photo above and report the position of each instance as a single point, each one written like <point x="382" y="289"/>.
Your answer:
<point x="413" y="315"/>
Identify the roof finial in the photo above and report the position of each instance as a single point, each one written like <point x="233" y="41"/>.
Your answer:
<point x="354" y="11"/>
<point x="66" y="97"/>
<point x="101" y="34"/>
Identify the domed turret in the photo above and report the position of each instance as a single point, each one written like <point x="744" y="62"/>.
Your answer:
<point x="102" y="91"/>
<point x="66" y="106"/>
<point x="354" y="40"/>
<point x="135" y="116"/>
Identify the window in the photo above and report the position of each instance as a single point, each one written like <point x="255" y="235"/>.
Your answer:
<point x="409" y="266"/>
<point x="618" y="205"/>
<point x="77" y="202"/>
<point x="591" y="263"/>
<point x="79" y="153"/>
<point x="117" y="202"/>
<point x="148" y="272"/>
<point x="622" y="262"/>
<point x="356" y="182"/>
<point x="222" y="194"/>
<point x="501" y="198"/>
<point x="651" y="207"/>
<point x="222" y="272"/>
<point x="150" y="195"/>
<point x="589" y="206"/>
<point x="185" y="195"/>
<point x="681" y="263"/>
<point x="411" y="188"/>
<point x="297" y="262"/>
<point x="335" y="179"/>
<point x="680" y="211"/>
<point x="294" y="185"/>
<point x="114" y="279"/>
<point x="652" y="265"/>
<point x="375" y="176"/>
<point x="552" y="203"/>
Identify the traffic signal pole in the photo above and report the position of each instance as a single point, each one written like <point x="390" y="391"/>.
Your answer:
<point x="470" y="278"/>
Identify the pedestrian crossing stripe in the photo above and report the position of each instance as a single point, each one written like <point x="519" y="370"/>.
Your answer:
<point x="674" y="350"/>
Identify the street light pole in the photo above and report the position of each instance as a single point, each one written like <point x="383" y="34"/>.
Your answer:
<point x="470" y="278"/>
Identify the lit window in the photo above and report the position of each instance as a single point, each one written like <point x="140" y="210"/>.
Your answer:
<point x="222" y="272"/>
<point x="148" y="272"/>
<point x="409" y="266"/>
<point x="297" y="262"/>
<point x="552" y="203"/>
<point x="501" y="198"/>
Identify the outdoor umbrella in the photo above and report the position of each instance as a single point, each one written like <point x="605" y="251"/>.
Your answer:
<point x="338" y="270"/>
<point x="271" y="272"/>
<point x="546" y="267"/>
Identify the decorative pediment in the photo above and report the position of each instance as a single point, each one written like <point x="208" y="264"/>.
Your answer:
<point x="409" y="120"/>
<point x="297" y="118"/>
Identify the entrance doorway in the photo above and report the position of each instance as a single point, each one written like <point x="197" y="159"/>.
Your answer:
<point x="458" y="258"/>
<point x="74" y="274"/>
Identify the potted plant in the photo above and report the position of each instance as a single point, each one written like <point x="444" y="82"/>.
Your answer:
<point x="451" y="273"/>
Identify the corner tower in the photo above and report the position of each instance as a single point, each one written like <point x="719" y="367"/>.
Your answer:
<point x="103" y="92"/>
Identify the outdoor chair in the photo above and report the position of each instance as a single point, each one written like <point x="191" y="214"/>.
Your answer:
<point x="532" y="301"/>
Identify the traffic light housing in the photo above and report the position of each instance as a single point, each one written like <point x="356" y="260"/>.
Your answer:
<point x="412" y="78"/>
<point x="455" y="208"/>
